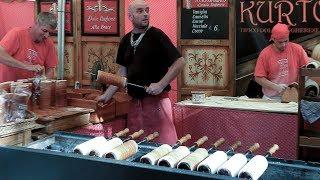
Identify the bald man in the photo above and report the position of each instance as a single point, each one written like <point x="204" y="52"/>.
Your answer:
<point x="148" y="58"/>
<point x="278" y="64"/>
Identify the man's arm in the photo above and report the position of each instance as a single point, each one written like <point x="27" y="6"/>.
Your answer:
<point x="174" y="70"/>
<point x="264" y="82"/>
<point x="8" y="60"/>
<point x="112" y="89"/>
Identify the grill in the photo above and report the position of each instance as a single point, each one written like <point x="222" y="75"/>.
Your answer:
<point x="53" y="158"/>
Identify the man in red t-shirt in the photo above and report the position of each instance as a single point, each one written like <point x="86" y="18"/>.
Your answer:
<point x="29" y="50"/>
<point x="278" y="64"/>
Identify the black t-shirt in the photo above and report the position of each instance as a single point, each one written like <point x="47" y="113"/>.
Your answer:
<point x="150" y="62"/>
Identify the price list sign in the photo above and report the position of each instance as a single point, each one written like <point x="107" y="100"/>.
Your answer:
<point x="205" y="19"/>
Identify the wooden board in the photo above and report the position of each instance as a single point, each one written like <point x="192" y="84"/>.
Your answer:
<point x="18" y="132"/>
<point x="19" y="138"/>
<point x="102" y="112"/>
<point x="116" y="107"/>
<point x="62" y="118"/>
<point x="207" y="45"/>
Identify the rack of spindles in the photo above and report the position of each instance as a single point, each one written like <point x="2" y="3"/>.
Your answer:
<point x="194" y="158"/>
<point x="123" y="154"/>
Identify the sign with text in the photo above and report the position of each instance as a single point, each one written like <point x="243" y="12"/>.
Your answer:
<point x="52" y="6"/>
<point x="205" y="3"/>
<point x="205" y="19"/>
<point x="255" y="20"/>
<point x="100" y="17"/>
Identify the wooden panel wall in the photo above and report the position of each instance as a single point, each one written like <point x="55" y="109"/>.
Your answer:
<point x="210" y="62"/>
<point x="85" y="53"/>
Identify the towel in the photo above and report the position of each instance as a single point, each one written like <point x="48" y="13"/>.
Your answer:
<point x="310" y="111"/>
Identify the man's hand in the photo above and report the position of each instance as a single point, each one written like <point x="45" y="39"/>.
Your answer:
<point x="155" y="89"/>
<point x="281" y="87"/>
<point x="104" y="98"/>
<point x="36" y="68"/>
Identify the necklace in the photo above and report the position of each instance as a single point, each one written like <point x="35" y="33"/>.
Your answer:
<point x="135" y="43"/>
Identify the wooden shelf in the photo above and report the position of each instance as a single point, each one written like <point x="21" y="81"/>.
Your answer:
<point x="307" y="138"/>
<point x="312" y="142"/>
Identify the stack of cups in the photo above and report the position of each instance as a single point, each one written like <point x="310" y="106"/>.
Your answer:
<point x="45" y="94"/>
<point x="23" y="92"/>
<point x="53" y="92"/>
<point x="60" y="93"/>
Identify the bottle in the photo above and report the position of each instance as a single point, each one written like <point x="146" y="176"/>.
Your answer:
<point x="77" y="85"/>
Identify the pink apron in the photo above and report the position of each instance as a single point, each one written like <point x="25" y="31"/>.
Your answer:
<point x="153" y="113"/>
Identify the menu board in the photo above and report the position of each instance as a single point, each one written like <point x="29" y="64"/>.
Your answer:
<point x="52" y="6"/>
<point x="205" y="19"/>
<point x="100" y="17"/>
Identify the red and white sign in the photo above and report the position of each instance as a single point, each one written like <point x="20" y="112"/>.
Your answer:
<point x="100" y="17"/>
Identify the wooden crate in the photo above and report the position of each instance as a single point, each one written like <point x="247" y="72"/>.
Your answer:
<point x="18" y="138"/>
<point x="116" y="107"/>
<point x="63" y="118"/>
<point x="18" y="132"/>
<point x="100" y="114"/>
<point x="123" y="103"/>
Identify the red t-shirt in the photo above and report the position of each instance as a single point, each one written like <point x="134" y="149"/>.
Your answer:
<point x="19" y="44"/>
<point x="280" y="67"/>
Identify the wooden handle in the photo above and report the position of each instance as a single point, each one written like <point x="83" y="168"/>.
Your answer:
<point x="201" y="141"/>
<point x="218" y="143"/>
<point x="136" y="134"/>
<point x="254" y="147"/>
<point x="273" y="149"/>
<point x="121" y="133"/>
<point x="184" y="139"/>
<point x="152" y="136"/>
<point x="236" y="145"/>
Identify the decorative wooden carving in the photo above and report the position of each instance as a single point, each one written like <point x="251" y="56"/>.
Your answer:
<point x="98" y="56"/>
<point x="207" y="46"/>
<point x="206" y="66"/>
<point x="69" y="64"/>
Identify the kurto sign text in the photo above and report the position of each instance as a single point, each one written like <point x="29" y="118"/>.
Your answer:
<point x="285" y="10"/>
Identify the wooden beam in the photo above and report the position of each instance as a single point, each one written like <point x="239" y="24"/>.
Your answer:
<point x="313" y="142"/>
